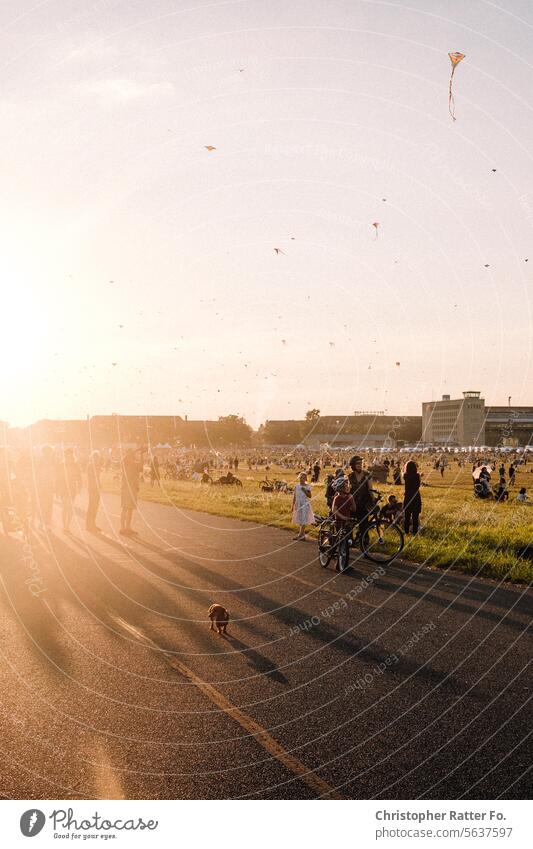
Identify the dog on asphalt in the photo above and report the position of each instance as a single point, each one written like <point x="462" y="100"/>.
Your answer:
<point x="219" y="617"/>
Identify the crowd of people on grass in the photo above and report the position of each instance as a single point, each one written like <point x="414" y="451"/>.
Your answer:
<point x="29" y="482"/>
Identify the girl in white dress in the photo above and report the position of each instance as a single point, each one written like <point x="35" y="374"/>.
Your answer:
<point x="302" y="512"/>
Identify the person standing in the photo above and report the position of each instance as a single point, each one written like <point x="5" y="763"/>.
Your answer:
<point x="512" y="474"/>
<point x="46" y="476"/>
<point x="68" y="486"/>
<point x="155" y="473"/>
<point x="412" y="501"/>
<point x="132" y="466"/>
<point x="361" y="489"/>
<point x="302" y="512"/>
<point x="94" y="468"/>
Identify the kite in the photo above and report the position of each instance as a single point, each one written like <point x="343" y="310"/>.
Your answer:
<point x="278" y="251"/>
<point x="397" y="364"/>
<point x="209" y="147"/>
<point x="376" y="225"/>
<point x="455" y="58"/>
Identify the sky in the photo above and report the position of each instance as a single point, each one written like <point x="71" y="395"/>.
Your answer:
<point x="138" y="269"/>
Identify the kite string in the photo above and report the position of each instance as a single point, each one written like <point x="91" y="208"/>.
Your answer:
<point x="451" y="99"/>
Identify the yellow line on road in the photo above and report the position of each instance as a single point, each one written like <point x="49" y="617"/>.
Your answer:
<point x="108" y="785"/>
<point x="260" y="734"/>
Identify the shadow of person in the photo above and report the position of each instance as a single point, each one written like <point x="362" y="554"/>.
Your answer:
<point x="29" y="594"/>
<point x="257" y="660"/>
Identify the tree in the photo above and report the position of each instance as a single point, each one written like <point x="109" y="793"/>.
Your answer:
<point x="312" y="415"/>
<point x="233" y="430"/>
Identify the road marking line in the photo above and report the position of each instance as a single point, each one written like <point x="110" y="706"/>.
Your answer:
<point x="108" y="785"/>
<point x="260" y="734"/>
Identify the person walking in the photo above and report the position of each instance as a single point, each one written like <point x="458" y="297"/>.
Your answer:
<point x="132" y="466"/>
<point x="302" y="512"/>
<point x="412" y="501"/>
<point x="68" y="486"/>
<point x="94" y="468"/>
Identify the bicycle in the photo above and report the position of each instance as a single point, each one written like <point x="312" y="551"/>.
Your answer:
<point x="381" y="541"/>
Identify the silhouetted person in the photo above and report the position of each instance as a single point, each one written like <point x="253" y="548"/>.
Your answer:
<point x="361" y="489"/>
<point x="412" y="501"/>
<point x="132" y="465"/>
<point x="94" y="468"/>
<point x="155" y="474"/>
<point x="68" y="486"/>
<point x="46" y="476"/>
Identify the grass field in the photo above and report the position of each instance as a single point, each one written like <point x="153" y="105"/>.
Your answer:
<point x="458" y="531"/>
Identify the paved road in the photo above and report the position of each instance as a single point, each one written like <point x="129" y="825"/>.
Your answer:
<point x="414" y="683"/>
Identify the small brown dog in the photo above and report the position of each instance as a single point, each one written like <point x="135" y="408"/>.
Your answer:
<point x="220" y="617"/>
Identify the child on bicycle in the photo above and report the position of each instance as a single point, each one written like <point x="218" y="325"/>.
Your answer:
<point x="343" y="507"/>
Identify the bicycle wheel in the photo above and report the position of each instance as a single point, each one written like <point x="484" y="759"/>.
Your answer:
<point x="325" y="544"/>
<point x="343" y="555"/>
<point x="382" y="542"/>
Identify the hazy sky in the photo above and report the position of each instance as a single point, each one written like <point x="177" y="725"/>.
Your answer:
<point x="106" y="108"/>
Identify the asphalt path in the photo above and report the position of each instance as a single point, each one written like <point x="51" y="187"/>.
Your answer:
<point x="399" y="682"/>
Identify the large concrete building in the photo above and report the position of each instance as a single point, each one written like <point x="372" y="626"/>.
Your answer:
<point x="467" y="421"/>
<point x="362" y="430"/>
<point x="454" y="421"/>
<point x="512" y="426"/>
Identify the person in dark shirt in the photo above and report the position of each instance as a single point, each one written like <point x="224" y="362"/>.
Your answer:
<point x="361" y="489"/>
<point x="500" y="492"/>
<point x="332" y="485"/>
<point x="392" y="509"/>
<point x="412" y="502"/>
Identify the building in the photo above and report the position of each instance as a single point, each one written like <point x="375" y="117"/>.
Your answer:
<point x="357" y="441"/>
<point x="509" y="426"/>
<point x="370" y="430"/>
<point x="454" y="421"/>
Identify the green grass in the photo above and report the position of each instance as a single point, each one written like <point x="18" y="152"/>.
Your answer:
<point x="458" y="531"/>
